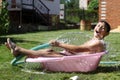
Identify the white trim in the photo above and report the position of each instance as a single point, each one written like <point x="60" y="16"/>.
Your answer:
<point x="103" y="5"/>
<point x="103" y="9"/>
<point x="103" y="2"/>
<point x="103" y="18"/>
<point x="103" y="15"/>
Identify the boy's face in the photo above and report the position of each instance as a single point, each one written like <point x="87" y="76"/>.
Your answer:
<point x="100" y="30"/>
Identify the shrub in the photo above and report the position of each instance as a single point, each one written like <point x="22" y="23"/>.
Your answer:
<point x="76" y="15"/>
<point x="73" y="15"/>
<point x="4" y="19"/>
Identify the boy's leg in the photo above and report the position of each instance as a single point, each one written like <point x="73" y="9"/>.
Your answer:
<point x="42" y="52"/>
<point x="16" y="50"/>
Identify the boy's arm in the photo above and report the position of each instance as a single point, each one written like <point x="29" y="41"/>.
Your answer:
<point x="81" y="48"/>
<point x="74" y="48"/>
<point x="65" y="46"/>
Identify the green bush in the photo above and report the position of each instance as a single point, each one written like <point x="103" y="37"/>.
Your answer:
<point x="75" y="15"/>
<point x="91" y="15"/>
<point x="93" y="5"/>
<point x="4" y="18"/>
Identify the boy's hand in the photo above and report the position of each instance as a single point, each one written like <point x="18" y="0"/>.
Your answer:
<point x="54" y="43"/>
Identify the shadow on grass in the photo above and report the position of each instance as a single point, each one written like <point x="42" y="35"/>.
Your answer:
<point x="15" y="40"/>
<point x="101" y="69"/>
<point x="107" y="69"/>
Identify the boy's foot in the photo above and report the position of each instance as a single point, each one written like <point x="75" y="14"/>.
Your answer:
<point x="12" y="46"/>
<point x="6" y="44"/>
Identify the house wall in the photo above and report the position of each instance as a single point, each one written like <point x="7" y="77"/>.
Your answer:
<point x="109" y="10"/>
<point x="53" y="5"/>
<point x="18" y="2"/>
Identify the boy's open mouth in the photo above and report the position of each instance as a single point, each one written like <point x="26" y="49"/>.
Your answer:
<point x="97" y="31"/>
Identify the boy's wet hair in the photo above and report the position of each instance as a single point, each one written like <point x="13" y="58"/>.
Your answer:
<point x="107" y="25"/>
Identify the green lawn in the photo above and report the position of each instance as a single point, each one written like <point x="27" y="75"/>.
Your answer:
<point x="28" y="40"/>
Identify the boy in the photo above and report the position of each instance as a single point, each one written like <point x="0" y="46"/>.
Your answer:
<point x="96" y="44"/>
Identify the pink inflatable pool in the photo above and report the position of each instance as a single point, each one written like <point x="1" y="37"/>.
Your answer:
<point x="76" y="63"/>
